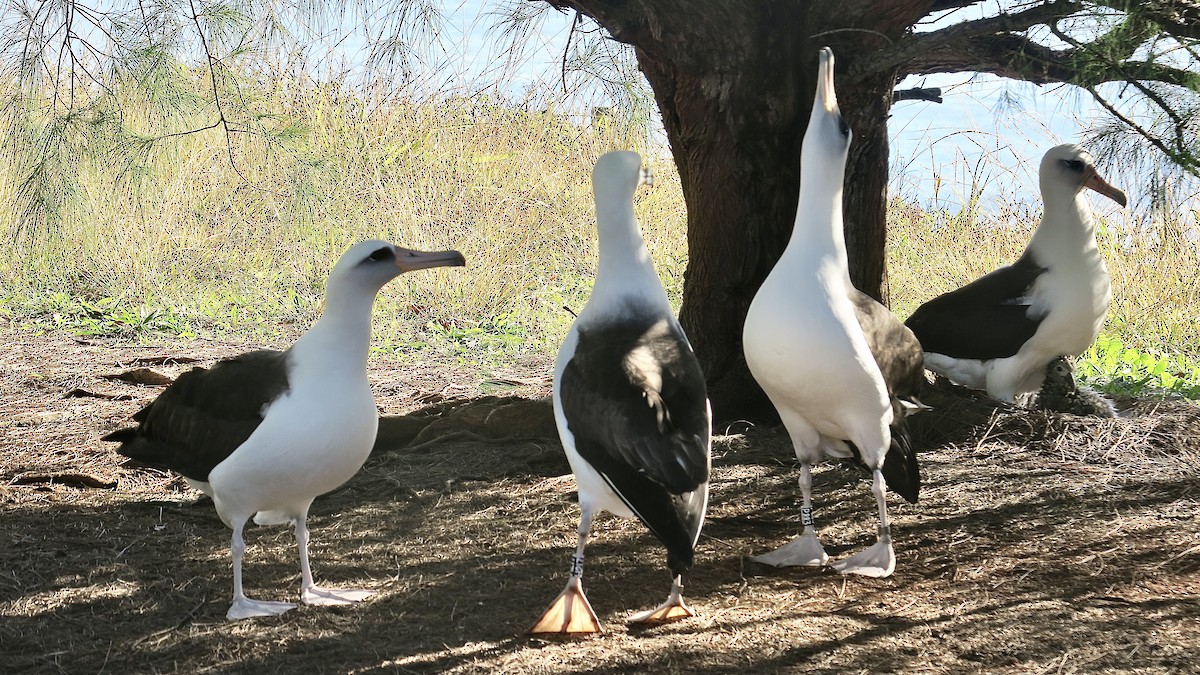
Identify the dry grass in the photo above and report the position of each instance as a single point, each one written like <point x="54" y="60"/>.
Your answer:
<point x="1041" y="543"/>
<point x="186" y="236"/>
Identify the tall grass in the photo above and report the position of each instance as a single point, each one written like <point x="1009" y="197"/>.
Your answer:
<point x="204" y="245"/>
<point x="185" y="240"/>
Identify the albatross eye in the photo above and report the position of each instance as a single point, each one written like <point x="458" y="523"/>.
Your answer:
<point x="843" y="127"/>
<point x="385" y="253"/>
<point x="1074" y="164"/>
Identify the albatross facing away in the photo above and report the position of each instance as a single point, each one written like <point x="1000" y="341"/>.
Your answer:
<point x="267" y="432"/>
<point x="631" y="405"/>
<point x="1000" y="331"/>
<point x="842" y="371"/>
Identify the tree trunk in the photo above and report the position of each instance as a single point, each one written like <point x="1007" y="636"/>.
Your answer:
<point x="735" y="84"/>
<point x="865" y="105"/>
<point x="736" y="142"/>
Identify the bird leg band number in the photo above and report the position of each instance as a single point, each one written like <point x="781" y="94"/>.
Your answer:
<point x="576" y="566"/>
<point x="806" y="518"/>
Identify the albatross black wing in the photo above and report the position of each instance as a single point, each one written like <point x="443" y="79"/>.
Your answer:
<point x="205" y="414"/>
<point x="894" y="346"/>
<point x="986" y="319"/>
<point x="898" y="355"/>
<point x="635" y="401"/>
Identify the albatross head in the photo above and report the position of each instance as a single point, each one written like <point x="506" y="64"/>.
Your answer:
<point x="368" y="265"/>
<point x="827" y="138"/>
<point x="617" y="176"/>
<point x="1070" y="168"/>
<point x="1060" y="374"/>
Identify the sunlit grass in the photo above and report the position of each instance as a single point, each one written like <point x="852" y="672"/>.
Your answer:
<point x="190" y="243"/>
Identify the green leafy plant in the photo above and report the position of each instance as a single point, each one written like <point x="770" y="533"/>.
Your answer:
<point x="1115" y="368"/>
<point x="500" y="332"/>
<point x="107" y="316"/>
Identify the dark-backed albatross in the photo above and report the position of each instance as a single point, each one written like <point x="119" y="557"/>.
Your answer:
<point x="1000" y="331"/>
<point x="266" y="432"/>
<point x="842" y="371"/>
<point x="631" y="406"/>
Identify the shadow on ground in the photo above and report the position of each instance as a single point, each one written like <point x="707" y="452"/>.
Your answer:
<point x="1041" y="541"/>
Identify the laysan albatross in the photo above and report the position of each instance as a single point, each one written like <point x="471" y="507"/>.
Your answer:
<point x="841" y="369"/>
<point x="631" y="406"/>
<point x="266" y="432"/>
<point x="1000" y="331"/>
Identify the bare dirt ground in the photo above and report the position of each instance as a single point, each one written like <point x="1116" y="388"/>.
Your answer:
<point x="1041" y="543"/>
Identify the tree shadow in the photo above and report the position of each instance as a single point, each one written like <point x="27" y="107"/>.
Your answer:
<point x="1008" y="562"/>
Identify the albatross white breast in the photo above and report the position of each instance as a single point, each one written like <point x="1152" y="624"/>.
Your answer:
<point x="1000" y="331"/>
<point x="631" y="405"/>
<point x="842" y="371"/>
<point x="266" y="432"/>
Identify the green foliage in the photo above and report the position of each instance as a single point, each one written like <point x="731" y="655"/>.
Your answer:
<point x="107" y="316"/>
<point x="499" y="333"/>
<point x="1118" y="369"/>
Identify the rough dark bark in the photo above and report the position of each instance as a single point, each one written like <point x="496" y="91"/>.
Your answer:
<point x="736" y="141"/>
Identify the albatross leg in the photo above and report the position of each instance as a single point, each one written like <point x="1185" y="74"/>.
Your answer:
<point x="674" y="608"/>
<point x="571" y="612"/>
<point x="805" y="549"/>
<point x="879" y="560"/>
<point x="243" y="607"/>
<point x="311" y="593"/>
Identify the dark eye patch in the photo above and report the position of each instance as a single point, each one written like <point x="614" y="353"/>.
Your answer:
<point x="1074" y="164"/>
<point x="842" y="126"/>
<point x="379" y="254"/>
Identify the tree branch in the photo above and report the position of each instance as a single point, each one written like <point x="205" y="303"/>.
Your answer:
<point x="567" y="48"/>
<point x="26" y="55"/>
<point x="612" y="14"/>
<point x="933" y="94"/>
<point x="1179" y="154"/>
<point x="1013" y="56"/>
<point x="910" y="49"/>
<point x="223" y="121"/>
<point x="1007" y="55"/>
<point x="1179" y="18"/>
<point x="943" y="5"/>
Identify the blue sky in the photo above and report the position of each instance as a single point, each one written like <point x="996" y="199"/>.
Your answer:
<point x="976" y="135"/>
<point x="989" y="131"/>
